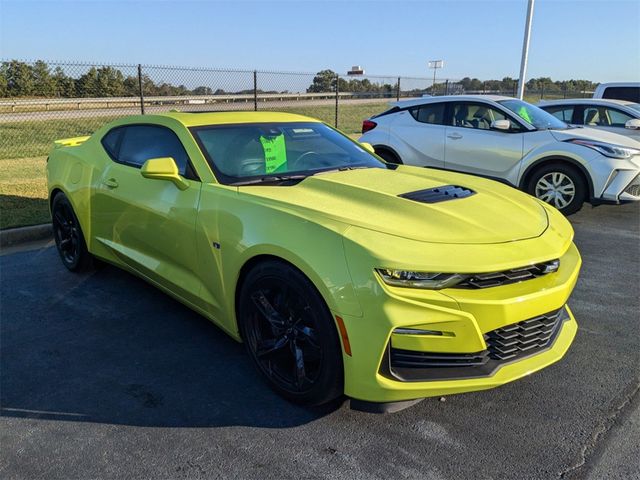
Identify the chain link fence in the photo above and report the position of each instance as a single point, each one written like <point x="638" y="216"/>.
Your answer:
<point x="41" y="102"/>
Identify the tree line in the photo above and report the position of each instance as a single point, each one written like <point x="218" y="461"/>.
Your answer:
<point x="508" y="84"/>
<point x="38" y="79"/>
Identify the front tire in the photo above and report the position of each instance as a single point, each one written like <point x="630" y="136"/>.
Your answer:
<point x="68" y="236"/>
<point x="289" y="334"/>
<point x="560" y="185"/>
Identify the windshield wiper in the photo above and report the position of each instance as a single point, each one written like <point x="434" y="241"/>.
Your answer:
<point x="270" y="179"/>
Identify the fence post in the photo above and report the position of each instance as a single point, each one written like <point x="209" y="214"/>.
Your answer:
<point x="141" y="91"/>
<point x="542" y="91"/>
<point x="398" y="91"/>
<point x="255" y="90"/>
<point x="446" y="87"/>
<point x="515" y="88"/>
<point x="484" y="87"/>
<point x="337" y="96"/>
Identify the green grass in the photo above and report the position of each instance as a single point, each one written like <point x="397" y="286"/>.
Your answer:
<point x="350" y="117"/>
<point x="23" y="192"/>
<point x="24" y="146"/>
<point x="34" y="138"/>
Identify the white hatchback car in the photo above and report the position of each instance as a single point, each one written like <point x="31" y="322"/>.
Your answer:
<point x="511" y="141"/>
<point x="617" y="116"/>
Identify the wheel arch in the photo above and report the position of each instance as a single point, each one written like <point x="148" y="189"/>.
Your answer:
<point x="387" y="148"/>
<point x="531" y="169"/>
<point x="53" y="194"/>
<point x="84" y="222"/>
<point x="255" y="260"/>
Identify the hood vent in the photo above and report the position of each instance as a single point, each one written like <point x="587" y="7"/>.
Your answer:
<point x="438" y="194"/>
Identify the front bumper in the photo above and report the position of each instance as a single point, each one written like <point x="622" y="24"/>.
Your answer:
<point x="623" y="186"/>
<point x="465" y="317"/>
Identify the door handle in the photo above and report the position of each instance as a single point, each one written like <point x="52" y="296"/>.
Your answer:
<point x="454" y="136"/>
<point x="111" y="183"/>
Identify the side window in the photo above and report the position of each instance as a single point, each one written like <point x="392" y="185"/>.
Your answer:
<point x="630" y="94"/>
<point x="617" y="118"/>
<point x="111" y="142"/>
<point x="478" y="116"/>
<point x="564" y="113"/>
<point x="139" y="143"/>
<point x="432" y="113"/>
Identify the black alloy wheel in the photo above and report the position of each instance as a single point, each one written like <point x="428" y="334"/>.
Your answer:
<point x="290" y="335"/>
<point x="68" y="235"/>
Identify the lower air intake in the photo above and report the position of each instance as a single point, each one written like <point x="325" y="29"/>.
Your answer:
<point x="504" y="345"/>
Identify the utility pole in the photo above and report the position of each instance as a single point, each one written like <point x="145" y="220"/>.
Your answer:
<point x="435" y="64"/>
<point x="525" y="50"/>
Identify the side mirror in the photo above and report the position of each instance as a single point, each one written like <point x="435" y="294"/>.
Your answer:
<point x="504" y="125"/>
<point x="368" y="147"/>
<point x="164" y="168"/>
<point x="633" y="124"/>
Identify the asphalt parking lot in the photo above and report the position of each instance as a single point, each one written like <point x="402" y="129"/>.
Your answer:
<point x="103" y="376"/>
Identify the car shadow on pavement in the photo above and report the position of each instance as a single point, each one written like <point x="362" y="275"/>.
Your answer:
<point x="107" y="347"/>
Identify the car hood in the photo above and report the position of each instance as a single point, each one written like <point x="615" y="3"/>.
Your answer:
<point x="595" y="134"/>
<point x="369" y="198"/>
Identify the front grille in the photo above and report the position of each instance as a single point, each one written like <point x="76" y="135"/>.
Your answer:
<point x="504" y="345"/>
<point x="438" y="194"/>
<point x="515" y="275"/>
<point x="522" y="338"/>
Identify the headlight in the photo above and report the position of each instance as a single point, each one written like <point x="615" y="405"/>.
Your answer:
<point x="607" y="149"/>
<point x="431" y="281"/>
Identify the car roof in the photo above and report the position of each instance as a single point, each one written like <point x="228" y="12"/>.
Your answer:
<point x="195" y="119"/>
<point x="448" y="98"/>
<point x="593" y="101"/>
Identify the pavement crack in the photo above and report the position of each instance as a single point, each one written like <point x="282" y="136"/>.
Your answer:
<point x="600" y="433"/>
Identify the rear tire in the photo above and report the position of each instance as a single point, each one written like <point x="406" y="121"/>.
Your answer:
<point x="68" y="236"/>
<point x="388" y="156"/>
<point x="289" y="334"/>
<point x="560" y="185"/>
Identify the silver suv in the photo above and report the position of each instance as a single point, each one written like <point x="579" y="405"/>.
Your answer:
<point x="511" y="141"/>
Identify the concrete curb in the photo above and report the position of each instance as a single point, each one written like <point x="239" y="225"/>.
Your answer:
<point x="16" y="236"/>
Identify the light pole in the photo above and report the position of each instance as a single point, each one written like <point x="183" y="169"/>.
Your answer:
<point x="435" y="64"/>
<point x="525" y="50"/>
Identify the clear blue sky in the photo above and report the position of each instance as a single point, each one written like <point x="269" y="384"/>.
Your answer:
<point x="597" y="40"/>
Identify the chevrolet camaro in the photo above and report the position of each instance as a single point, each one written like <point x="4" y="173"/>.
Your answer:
<point x="342" y="274"/>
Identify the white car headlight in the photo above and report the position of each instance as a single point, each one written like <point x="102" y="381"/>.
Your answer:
<point x="607" y="149"/>
<point x="431" y="281"/>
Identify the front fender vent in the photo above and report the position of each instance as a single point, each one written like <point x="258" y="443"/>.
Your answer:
<point x="438" y="194"/>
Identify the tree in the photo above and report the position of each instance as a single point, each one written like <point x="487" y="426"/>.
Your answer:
<point x="202" y="91"/>
<point x="4" y="88"/>
<point x="43" y="84"/>
<point x="109" y="82"/>
<point x="131" y="87"/>
<point x="324" y="81"/>
<point x="19" y="79"/>
<point x="64" y="85"/>
<point x="87" y="84"/>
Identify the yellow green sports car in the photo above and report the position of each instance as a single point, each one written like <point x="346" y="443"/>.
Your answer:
<point x="342" y="274"/>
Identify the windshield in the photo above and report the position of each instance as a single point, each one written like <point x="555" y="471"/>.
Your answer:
<point x="635" y="106"/>
<point x="256" y="153"/>
<point x="533" y="115"/>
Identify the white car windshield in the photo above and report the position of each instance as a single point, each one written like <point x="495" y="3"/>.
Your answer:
<point x="635" y="106"/>
<point x="533" y="115"/>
